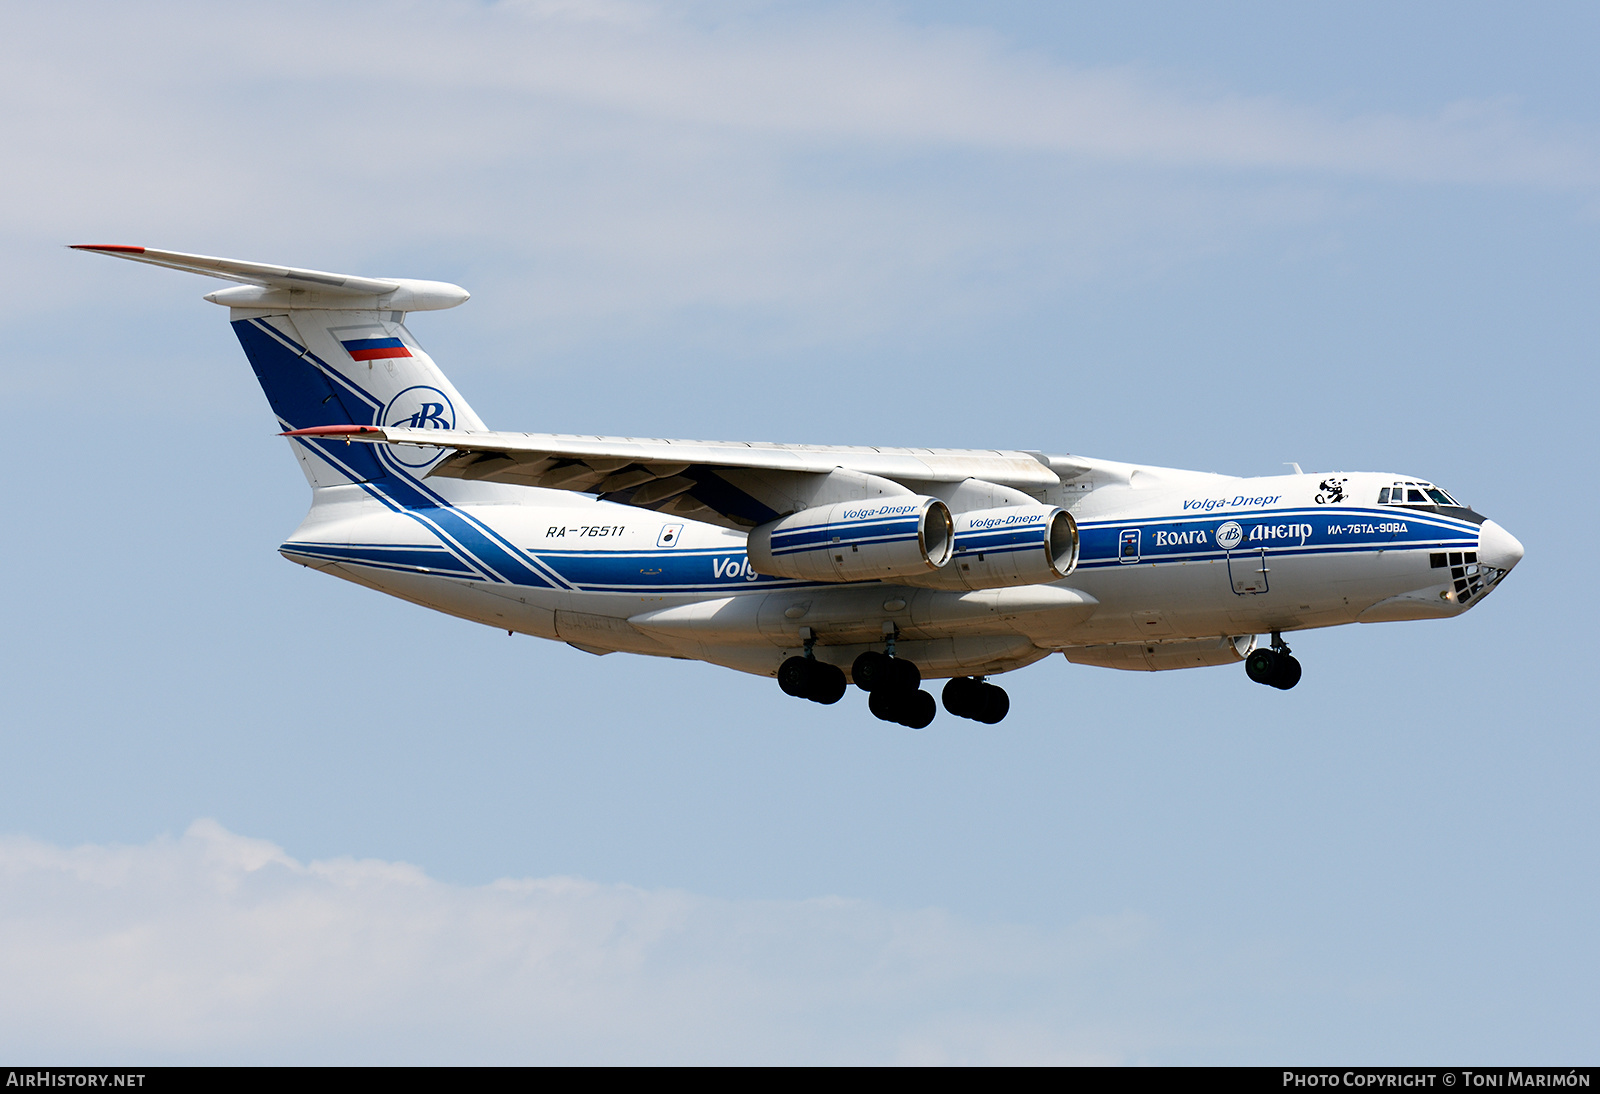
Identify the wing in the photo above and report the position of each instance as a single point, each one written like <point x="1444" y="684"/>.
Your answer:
<point x="734" y="484"/>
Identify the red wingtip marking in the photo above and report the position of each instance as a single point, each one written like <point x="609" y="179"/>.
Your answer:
<point x="106" y="247"/>
<point x="330" y="431"/>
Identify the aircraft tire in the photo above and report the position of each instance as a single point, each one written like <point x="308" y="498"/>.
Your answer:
<point x="794" y="677"/>
<point x="917" y="710"/>
<point x="1288" y="673"/>
<point x="1262" y="666"/>
<point x="904" y="674"/>
<point x="992" y="706"/>
<point x="885" y="704"/>
<point x="827" y="683"/>
<point x="872" y="670"/>
<point x="960" y="696"/>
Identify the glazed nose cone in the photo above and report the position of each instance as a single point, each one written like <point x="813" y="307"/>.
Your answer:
<point x="1498" y="547"/>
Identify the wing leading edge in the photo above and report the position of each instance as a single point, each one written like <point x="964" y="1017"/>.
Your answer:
<point x="731" y="483"/>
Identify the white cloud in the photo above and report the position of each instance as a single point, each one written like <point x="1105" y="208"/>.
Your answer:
<point x="826" y="75"/>
<point x="215" y="946"/>
<point x="823" y="174"/>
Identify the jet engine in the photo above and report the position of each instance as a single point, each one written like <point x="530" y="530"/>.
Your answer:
<point x="1008" y="546"/>
<point x="894" y="537"/>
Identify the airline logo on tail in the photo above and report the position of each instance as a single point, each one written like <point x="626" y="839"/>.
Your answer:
<point x="419" y="407"/>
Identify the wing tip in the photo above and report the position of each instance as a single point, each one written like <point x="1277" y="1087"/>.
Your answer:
<point x="114" y="247"/>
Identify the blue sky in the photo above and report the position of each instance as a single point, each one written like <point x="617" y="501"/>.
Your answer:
<point x="253" y="814"/>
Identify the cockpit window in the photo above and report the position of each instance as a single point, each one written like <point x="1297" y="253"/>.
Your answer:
<point x="1415" y="493"/>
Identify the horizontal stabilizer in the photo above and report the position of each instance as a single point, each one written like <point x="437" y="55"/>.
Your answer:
<point x="268" y="286"/>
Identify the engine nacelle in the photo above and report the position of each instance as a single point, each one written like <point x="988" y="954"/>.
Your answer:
<point x="1012" y="545"/>
<point x="887" y="538"/>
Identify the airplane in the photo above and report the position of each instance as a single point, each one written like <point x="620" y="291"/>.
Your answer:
<point x="821" y="566"/>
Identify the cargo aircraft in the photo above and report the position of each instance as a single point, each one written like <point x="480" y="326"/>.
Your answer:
<point x="818" y="565"/>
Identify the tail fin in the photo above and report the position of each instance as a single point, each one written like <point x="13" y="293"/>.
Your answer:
<point x="333" y="349"/>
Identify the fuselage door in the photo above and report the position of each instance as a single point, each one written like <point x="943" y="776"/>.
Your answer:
<point x="1247" y="570"/>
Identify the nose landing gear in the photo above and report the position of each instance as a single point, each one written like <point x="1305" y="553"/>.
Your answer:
<point x="1275" y="666"/>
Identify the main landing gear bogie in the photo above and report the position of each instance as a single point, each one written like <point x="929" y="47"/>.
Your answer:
<point x="976" y="698"/>
<point x="806" y="678"/>
<point x="1274" y="666"/>
<point x="893" y="686"/>
<point x="894" y="689"/>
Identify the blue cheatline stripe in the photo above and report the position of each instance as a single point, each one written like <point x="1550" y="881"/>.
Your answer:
<point x="993" y="541"/>
<point x="790" y="548"/>
<point x="823" y="533"/>
<point x="1002" y="549"/>
<point x="1276" y="552"/>
<point x="391" y="556"/>
<point x="1303" y="531"/>
<point x="824" y="548"/>
<point x="489" y="547"/>
<point x="729" y="589"/>
<point x="669" y="552"/>
<point x="673" y="570"/>
<point x="490" y="551"/>
<point x="1268" y="516"/>
<point x="382" y="561"/>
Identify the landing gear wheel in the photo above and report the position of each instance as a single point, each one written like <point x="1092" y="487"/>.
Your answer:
<point x="918" y="710"/>
<point x="982" y="702"/>
<point x="874" y="671"/>
<point x="994" y="705"/>
<point x="1261" y="666"/>
<point x="885" y="705"/>
<point x="913" y="709"/>
<point x="960" y="695"/>
<point x="1275" y="668"/>
<point x="793" y="675"/>
<point x="904" y="674"/>
<point x="818" y="681"/>
<point x="1288" y="672"/>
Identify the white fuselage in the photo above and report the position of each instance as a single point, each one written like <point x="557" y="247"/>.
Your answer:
<point x="1176" y="569"/>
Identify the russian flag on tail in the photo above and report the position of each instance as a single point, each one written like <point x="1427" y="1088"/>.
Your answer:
<point x="374" y="349"/>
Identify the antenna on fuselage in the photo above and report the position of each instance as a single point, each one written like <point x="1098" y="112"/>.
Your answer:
<point x="1296" y="467"/>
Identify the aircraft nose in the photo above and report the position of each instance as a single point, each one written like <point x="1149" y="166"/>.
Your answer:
<point x="1498" y="547"/>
